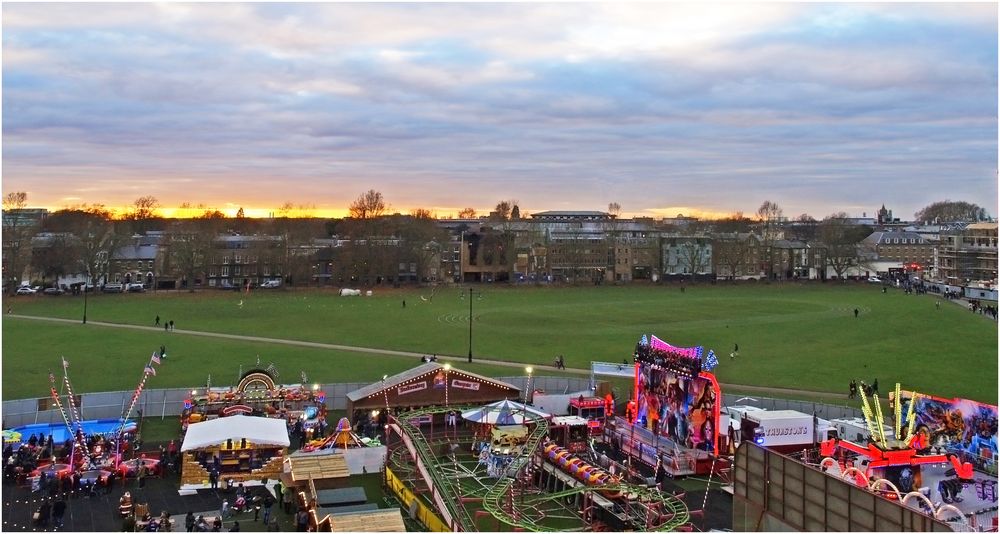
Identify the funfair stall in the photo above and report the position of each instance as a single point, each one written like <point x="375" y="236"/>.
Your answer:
<point x="237" y="449"/>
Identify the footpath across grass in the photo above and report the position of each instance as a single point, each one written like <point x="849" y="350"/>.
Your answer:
<point x="797" y="336"/>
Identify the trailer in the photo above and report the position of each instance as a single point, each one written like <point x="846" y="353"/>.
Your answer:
<point x="855" y="429"/>
<point x="556" y="404"/>
<point x="783" y="430"/>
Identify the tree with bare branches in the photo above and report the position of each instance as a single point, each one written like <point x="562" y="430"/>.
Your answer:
<point x="143" y="215"/>
<point x="17" y="232"/>
<point x="467" y="213"/>
<point x="370" y="205"/>
<point x="842" y="241"/>
<point x="502" y="222"/>
<point x="769" y="222"/>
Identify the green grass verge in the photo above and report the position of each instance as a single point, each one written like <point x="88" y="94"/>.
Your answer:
<point x="790" y="335"/>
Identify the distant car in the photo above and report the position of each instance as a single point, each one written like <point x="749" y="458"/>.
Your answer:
<point x="53" y="291"/>
<point x="136" y="288"/>
<point x="25" y="290"/>
<point x="270" y="283"/>
<point x="113" y="288"/>
<point x="874" y="280"/>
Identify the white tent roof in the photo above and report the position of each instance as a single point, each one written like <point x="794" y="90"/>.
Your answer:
<point x="257" y="430"/>
<point x="503" y="412"/>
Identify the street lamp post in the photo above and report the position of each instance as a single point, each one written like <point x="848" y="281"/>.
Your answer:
<point x="470" y="325"/>
<point x="527" y="387"/>
<point x="85" y="300"/>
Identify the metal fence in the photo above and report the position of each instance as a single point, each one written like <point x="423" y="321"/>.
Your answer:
<point x="170" y="402"/>
<point x="823" y="411"/>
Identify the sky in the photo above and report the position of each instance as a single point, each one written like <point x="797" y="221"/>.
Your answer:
<point x="665" y="108"/>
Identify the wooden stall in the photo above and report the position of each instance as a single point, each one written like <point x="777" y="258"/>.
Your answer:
<point x="241" y="448"/>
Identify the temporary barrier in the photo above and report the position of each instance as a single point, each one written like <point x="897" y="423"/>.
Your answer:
<point x="409" y="499"/>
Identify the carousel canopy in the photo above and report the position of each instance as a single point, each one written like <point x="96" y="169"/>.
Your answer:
<point x="257" y="430"/>
<point x="503" y="412"/>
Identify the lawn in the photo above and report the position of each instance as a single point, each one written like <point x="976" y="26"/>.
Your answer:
<point x="111" y="359"/>
<point x="790" y="335"/>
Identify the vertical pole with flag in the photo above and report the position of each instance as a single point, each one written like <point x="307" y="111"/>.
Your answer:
<point x="62" y="410"/>
<point x="146" y="371"/>
<point x="78" y="435"/>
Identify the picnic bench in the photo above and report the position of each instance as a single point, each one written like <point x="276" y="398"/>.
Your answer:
<point x="342" y="496"/>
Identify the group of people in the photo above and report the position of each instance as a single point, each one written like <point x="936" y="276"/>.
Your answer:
<point x="868" y="389"/>
<point x="431" y="358"/>
<point x="167" y="325"/>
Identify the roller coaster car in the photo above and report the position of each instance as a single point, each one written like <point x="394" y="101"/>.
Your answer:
<point x="898" y="454"/>
<point x="573" y="465"/>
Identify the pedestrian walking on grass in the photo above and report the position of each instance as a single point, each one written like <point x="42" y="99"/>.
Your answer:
<point x="171" y="324"/>
<point x="157" y="320"/>
<point x="855" y="313"/>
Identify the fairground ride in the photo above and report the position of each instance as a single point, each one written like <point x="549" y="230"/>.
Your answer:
<point x="533" y="492"/>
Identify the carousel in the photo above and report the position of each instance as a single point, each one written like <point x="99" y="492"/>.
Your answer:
<point x="258" y="394"/>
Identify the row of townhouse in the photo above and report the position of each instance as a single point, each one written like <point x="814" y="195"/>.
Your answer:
<point x="549" y="246"/>
<point x="593" y="246"/>
<point x="585" y="248"/>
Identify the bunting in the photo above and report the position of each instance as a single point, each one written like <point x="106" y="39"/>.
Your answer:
<point x="149" y="370"/>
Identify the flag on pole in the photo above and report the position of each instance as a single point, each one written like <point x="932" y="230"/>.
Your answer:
<point x="155" y="359"/>
<point x="149" y="369"/>
<point x="52" y="377"/>
<point x="65" y="363"/>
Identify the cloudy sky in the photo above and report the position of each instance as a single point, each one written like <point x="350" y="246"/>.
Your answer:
<point x="663" y="108"/>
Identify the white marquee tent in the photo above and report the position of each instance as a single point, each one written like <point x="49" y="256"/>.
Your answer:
<point x="257" y="430"/>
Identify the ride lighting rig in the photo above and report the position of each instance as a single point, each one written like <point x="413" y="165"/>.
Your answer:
<point x="882" y="452"/>
<point x="681" y="361"/>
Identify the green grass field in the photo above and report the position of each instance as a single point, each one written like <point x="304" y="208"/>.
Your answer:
<point x="790" y="335"/>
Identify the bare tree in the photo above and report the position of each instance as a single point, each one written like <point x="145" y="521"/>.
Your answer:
<point x="55" y="255"/>
<point x="370" y="205"/>
<point x="733" y="252"/>
<point x="694" y="255"/>
<point x="503" y="225"/>
<point x="842" y="242"/>
<point x="611" y="230"/>
<point x="951" y="211"/>
<point x="467" y="213"/>
<point x="96" y="237"/>
<point x="143" y="214"/>
<point x="17" y="232"/>
<point x="769" y="220"/>
<point x="191" y="243"/>
<point x="420" y="241"/>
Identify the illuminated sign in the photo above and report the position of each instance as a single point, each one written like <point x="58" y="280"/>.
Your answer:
<point x="465" y="384"/>
<point x="411" y="388"/>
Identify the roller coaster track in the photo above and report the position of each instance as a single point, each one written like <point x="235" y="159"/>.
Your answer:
<point x="452" y="488"/>
<point x="493" y="501"/>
